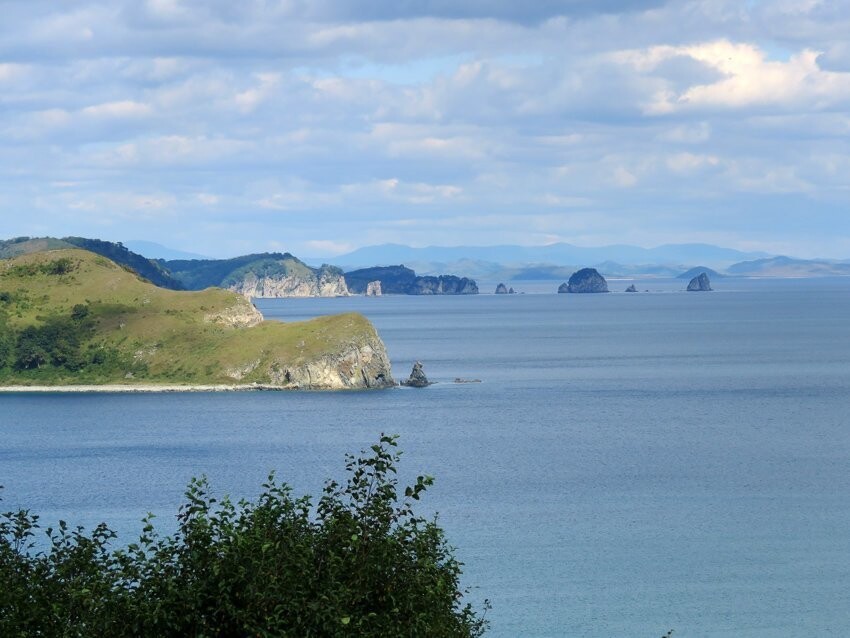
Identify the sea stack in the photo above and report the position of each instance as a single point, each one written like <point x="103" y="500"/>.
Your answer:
<point x="501" y="289"/>
<point x="631" y="288"/>
<point x="585" y="280"/>
<point x="417" y="377"/>
<point x="699" y="283"/>
<point x="373" y="289"/>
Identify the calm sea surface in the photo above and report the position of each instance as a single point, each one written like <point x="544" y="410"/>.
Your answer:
<point x="630" y="463"/>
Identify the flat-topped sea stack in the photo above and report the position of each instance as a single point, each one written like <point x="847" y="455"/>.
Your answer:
<point x="71" y="317"/>
<point x="586" y="280"/>
<point x="700" y="283"/>
<point x="373" y="289"/>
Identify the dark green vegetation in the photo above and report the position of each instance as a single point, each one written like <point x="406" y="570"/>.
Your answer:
<point x="358" y="563"/>
<point x="117" y="252"/>
<point x="70" y="316"/>
<point x="398" y="280"/>
<point x="146" y="268"/>
<point x="197" y="274"/>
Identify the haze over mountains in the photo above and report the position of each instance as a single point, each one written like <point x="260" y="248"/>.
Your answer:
<point x="558" y="254"/>
<point x="507" y="262"/>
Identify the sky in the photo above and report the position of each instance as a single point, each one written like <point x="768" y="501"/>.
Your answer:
<point x="319" y="126"/>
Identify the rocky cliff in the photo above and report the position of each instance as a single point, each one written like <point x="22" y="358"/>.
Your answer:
<point x="285" y="278"/>
<point x="260" y="275"/>
<point x="276" y="286"/>
<point x="359" y="361"/>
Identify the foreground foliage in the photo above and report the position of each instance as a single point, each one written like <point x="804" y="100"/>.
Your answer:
<point x="359" y="563"/>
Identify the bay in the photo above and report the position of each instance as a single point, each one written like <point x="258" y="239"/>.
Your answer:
<point x="629" y="463"/>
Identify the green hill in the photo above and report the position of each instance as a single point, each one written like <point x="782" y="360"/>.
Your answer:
<point x="259" y="275"/>
<point x="116" y="251"/>
<point x="70" y="316"/>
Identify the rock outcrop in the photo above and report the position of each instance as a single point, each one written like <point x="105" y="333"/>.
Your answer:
<point x="501" y="289"/>
<point x="631" y="288"/>
<point x="240" y="315"/>
<point x="585" y="280"/>
<point x="699" y="284"/>
<point x="417" y="378"/>
<point x="373" y="289"/>
<point x="511" y="291"/>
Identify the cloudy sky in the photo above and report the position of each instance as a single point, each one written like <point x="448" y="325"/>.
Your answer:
<point x="318" y="126"/>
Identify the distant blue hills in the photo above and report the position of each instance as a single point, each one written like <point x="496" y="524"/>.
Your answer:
<point x="561" y="254"/>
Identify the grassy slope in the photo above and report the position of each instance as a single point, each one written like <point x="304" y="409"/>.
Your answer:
<point x="161" y="334"/>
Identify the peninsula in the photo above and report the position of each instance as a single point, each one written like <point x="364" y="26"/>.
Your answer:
<point x="70" y="317"/>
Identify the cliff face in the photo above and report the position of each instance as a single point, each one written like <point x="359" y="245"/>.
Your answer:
<point x="290" y="286"/>
<point x="360" y="363"/>
<point x="261" y="275"/>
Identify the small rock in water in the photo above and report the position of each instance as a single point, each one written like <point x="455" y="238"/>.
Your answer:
<point x="417" y="377"/>
<point x="501" y="289"/>
<point x="631" y="288"/>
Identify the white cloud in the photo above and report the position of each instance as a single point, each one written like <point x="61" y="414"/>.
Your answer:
<point x="118" y="109"/>
<point x="748" y="78"/>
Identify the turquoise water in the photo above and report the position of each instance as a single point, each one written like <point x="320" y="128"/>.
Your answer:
<point x="629" y="464"/>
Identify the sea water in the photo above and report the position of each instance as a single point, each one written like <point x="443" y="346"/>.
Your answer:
<point x="628" y="464"/>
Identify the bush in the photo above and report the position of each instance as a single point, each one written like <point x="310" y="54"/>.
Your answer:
<point x="359" y="563"/>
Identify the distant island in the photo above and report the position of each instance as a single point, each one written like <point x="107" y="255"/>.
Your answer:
<point x="399" y="280"/>
<point x="70" y="316"/>
<point x="586" y="280"/>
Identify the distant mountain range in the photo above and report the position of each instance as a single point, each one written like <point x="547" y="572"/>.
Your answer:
<point x="559" y="261"/>
<point x="508" y="256"/>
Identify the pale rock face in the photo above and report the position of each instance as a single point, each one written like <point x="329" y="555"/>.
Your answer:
<point x="373" y="289"/>
<point x="243" y="371"/>
<point x="333" y="286"/>
<point x="363" y="364"/>
<point x="241" y="315"/>
<point x="291" y="286"/>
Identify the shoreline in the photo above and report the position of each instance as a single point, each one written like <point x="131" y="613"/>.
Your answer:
<point x="127" y="388"/>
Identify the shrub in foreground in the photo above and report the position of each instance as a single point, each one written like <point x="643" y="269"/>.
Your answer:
<point x="357" y="563"/>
